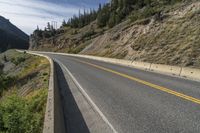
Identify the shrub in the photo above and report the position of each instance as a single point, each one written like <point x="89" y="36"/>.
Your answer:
<point x="89" y="33"/>
<point x="5" y="58"/>
<point x="13" y="114"/>
<point x="5" y="82"/>
<point x="20" y="115"/>
<point x="1" y="68"/>
<point x="1" y="121"/>
<point x="144" y="13"/>
<point x="45" y="74"/>
<point x="18" y="60"/>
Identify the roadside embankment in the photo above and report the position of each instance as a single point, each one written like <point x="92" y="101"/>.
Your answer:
<point x="24" y="81"/>
<point x="54" y="118"/>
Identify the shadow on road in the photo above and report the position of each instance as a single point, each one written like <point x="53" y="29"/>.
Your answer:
<point x="74" y="120"/>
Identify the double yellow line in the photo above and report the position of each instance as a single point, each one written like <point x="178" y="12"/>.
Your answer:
<point x="178" y="94"/>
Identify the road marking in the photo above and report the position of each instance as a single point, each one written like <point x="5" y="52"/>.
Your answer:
<point x="178" y="94"/>
<point x="87" y="97"/>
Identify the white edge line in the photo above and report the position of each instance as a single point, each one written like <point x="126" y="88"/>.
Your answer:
<point x="138" y="68"/>
<point x="88" y="98"/>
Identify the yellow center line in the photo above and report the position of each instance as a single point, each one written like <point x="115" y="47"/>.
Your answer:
<point x="178" y="94"/>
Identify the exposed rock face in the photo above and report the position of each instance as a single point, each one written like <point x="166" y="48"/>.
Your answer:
<point x="33" y="42"/>
<point x="171" y="37"/>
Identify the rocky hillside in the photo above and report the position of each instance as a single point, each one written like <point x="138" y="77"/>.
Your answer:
<point x="11" y="36"/>
<point x="171" y="36"/>
<point x="23" y="92"/>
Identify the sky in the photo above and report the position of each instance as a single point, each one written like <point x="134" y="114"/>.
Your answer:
<point x="27" y="14"/>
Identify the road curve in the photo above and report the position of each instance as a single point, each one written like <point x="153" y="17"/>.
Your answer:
<point x="137" y="101"/>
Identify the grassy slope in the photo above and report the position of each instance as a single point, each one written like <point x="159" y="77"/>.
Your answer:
<point x="24" y="98"/>
<point x="174" y="40"/>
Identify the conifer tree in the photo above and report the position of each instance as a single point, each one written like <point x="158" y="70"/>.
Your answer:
<point x="64" y="23"/>
<point x="48" y="26"/>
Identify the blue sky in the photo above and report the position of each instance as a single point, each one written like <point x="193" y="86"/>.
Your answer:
<point x="27" y="14"/>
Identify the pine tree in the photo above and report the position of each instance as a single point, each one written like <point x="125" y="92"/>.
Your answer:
<point x="112" y="20"/>
<point x="121" y="4"/>
<point x="100" y="7"/>
<point x="64" y="23"/>
<point x="112" y="13"/>
<point x="37" y="28"/>
<point x="48" y="26"/>
<point x="103" y="16"/>
<point x="114" y="5"/>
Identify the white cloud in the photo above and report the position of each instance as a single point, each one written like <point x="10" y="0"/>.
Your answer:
<point x="27" y="14"/>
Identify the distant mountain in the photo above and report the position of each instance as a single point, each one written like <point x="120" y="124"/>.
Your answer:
<point x="11" y="36"/>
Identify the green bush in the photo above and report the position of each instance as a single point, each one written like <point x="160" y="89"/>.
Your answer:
<point x="5" y="82"/>
<point x="1" y="68"/>
<point x="149" y="11"/>
<point x="144" y="13"/>
<point x="18" y="60"/>
<point x="88" y="34"/>
<point x="13" y="115"/>
<point x="1" y="121"/>
<point x="45" y="74"/>
<point x="19" y="115"/>
<point x="5" y="58"/>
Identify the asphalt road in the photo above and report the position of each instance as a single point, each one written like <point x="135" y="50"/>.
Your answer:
<point x="137" y="101"/>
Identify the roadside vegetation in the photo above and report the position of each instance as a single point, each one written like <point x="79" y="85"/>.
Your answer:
<point x="23" y="92"/>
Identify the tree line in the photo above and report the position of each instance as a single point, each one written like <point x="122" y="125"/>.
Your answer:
<point x="113" y="13"/>
<point x="109" y="14"/>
